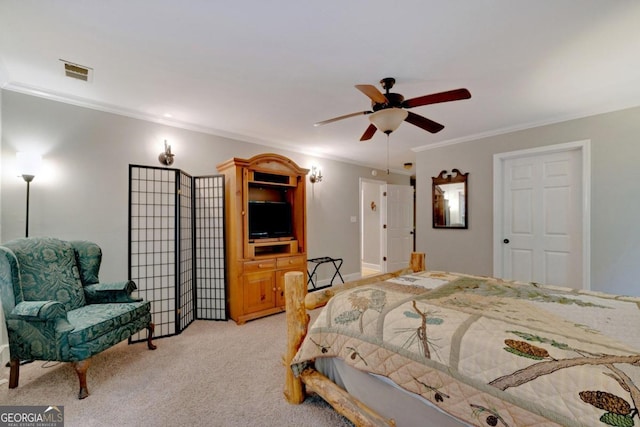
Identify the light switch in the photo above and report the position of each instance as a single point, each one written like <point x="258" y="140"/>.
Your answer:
<point x="354" y="219"/>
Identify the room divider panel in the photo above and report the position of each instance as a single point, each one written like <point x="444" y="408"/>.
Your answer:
<point x="211" y="302"/>
<point x="176" y="246"/>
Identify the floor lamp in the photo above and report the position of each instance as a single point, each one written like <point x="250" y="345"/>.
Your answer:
<point x="28" y="166"/>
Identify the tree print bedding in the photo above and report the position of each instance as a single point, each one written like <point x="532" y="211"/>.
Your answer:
<point x="491" y="352"/>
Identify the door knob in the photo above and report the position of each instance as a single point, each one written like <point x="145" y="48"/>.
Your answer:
<point x="505" y="241"/>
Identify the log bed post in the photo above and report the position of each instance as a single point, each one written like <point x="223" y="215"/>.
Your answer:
<point x="295" y="290"/>
<point x="417" y="262"/>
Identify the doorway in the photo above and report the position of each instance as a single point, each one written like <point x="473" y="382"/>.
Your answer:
<point x="387" y="226"/>
<point x="541" y="215"/>
<point x="370" y="231"/>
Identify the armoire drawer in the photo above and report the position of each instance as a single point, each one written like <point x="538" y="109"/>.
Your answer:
<point x="262" y="265"/>
<point x="291" y="261"/>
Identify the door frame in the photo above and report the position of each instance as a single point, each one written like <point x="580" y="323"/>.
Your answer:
<point x="584" y="146"/>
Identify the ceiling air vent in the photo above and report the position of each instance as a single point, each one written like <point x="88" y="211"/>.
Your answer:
<point x="76" y="71"/>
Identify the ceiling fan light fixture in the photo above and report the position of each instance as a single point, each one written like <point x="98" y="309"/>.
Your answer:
<point x="388" y="119"/>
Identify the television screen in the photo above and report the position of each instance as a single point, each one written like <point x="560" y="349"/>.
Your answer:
<point x="268" y="219"/>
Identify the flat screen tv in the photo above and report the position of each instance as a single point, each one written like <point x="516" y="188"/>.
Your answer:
<point x="268" y="219"/>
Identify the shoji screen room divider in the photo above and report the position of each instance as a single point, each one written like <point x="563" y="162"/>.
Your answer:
<point x="176" y="246"/>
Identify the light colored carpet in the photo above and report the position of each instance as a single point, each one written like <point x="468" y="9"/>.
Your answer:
<point x="213" y="374"/>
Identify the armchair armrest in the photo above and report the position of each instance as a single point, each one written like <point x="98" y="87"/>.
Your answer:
<point x="101" y="293"/>
<point x="38" y="311"/>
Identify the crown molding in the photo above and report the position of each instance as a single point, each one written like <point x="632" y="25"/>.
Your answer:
<point x="520" y="127"/>
<point x="113" y="109"/>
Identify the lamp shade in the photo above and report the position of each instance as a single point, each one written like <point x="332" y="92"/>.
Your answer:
<point x="28" y="163"/>
<point x="388" y="119"/>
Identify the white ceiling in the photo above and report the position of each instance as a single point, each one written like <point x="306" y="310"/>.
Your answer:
<point x="266" y="71"/>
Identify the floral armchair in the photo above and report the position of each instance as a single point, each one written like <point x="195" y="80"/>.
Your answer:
<point x="56" y="309"/>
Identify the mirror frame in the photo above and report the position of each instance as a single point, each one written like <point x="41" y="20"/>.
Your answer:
<point x="455" y="177"/>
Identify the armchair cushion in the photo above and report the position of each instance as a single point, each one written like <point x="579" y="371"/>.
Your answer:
<point x="95" y="320"/>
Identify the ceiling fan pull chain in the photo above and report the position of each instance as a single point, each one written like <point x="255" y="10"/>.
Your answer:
<point x="387" y="154"/>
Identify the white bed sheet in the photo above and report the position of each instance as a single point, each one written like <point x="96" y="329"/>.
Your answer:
<point x="385" y="397"/>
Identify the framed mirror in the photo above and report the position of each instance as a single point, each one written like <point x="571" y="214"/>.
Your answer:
<point x="449" y="197"/>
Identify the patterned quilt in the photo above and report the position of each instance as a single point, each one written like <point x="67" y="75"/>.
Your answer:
<point x="491" y="352"/>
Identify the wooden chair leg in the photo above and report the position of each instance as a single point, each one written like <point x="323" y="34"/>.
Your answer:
<point x="14" y="372"/>
<point x="150" y="330"/>
<point x="81" y="369"/>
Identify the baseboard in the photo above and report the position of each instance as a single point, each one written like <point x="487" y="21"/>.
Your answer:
<point x="371" y="266"/>
<point x="351" y="277"/>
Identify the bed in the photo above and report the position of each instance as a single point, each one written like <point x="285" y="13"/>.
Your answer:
<point x="455" y="349"/>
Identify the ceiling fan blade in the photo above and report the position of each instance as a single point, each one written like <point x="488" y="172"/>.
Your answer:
<point x="424" y="123"/>
<point x="346" y="116"/>
<point x="434" y="98"/>
<point x="373" y="93"/>
<point x="368" y="134"/>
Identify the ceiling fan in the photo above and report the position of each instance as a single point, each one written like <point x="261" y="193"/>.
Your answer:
<point x="388" y="110"/>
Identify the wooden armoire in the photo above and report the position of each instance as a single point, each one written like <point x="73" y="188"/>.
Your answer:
<point x="260" y="250"/>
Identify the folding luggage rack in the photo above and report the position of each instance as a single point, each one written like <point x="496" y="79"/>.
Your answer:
<point x="337" y="263"/>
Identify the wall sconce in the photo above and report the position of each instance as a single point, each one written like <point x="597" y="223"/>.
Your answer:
<point x="166" y="157"/>
<point x="28" y="167"/>
<point x="408" y="165"/>
<point x="316" y="174"/>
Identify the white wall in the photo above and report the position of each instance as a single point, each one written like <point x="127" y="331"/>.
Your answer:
<point x="83" y="190"/>
<point x="615" y="197"/>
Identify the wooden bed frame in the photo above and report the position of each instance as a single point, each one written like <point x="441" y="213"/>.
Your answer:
<point x="310" y="380"/>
